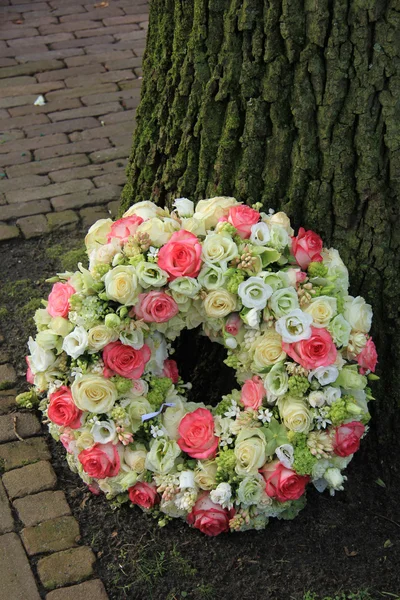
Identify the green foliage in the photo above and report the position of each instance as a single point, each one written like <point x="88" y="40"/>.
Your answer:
<point x="68" y="259"/>
<point x="360" y="595"/>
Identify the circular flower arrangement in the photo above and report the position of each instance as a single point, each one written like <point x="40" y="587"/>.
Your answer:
<point x="102" y="374"/>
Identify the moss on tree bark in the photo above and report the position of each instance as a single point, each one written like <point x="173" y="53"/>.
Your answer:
<point x="294" y="103"/>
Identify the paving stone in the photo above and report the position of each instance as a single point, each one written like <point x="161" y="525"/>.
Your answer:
<point x="7" y="403"/>
<point x="83" y="42"/>
<point x="49" y="107"/>
<point x="17" y="581"/>
<point x="29" y="480"/>
<point x="89" y="590"/>
<point x="121" y="95"/>
<point x="24" y="209"/>
<point x="87" y="171"/>
<point x="58" y="220"/>
<point x="63" y="94"/>
<point x="48" y="54"/>
<point x="90" y="198"/>
<point x="17" y="81"/>
<point x="63" y="568"/>
<point x="15" y="158"/>
<point x="36" y="88"/>
<point x="6" y="518"/>
<point x="34" y="143"/>
<point x="44" y="39"/>
<point x="100" y="13"/>
<point x="8" y="123"/>
<point x="31" y="68"/>
<point x="98" y="132"/>
<point x="41" y="507"/>
<point x="86" y="111"/>
<point x="4" y="357"/>
<point x="49" y="191"/>
<point x="51" y="536"/>
<point x="26" y="424"/>
<point x="30" y="181"/>
<point x="7" y="374"/>
<point x="68" y="149"/>
<point x="93" y="214"/>
<point x="109" y="21"/>
<point x="74" y="72"/>
<point x="20" y="454"/>
<point x="62" y="127"/>
<point x="10" y="136"/>
<point x="120" y="117"/>
<point x="110" y="77"/>
<point x="110" y="154"/>
<point x="33" y="226"/>
<point x="115" y="29"/>
<point x="45" y="166"/>
<point x="117" y="178"/>
<point x="69" y="26"/>
<point x="8" y="232"/>
<point x="112" y="55"/>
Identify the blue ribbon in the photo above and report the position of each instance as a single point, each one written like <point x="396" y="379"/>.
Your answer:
<point x="149" y="416"/>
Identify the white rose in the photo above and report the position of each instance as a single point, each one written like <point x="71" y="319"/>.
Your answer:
<point x="295" y="414"/>
<point x="205" y="474"/>
<point x="145" y="209"/>
<point x="281" y="219"/>
<point x="94" y="393"/>
<point x="104" y="432"/>
<point x="173" y="416"/>
<point x="358" y="313"/>
<point x="135" y="459"/>
<point x="159" y="231"/>
<point x="76" y="342"/>
<point x="194" y="225"/>
<point x="324" y="375"/>
<point x="184" y="207"/>
<point x="219" y="303"/>
<point x="39" y="359"/>
<point x="104" y="254"/>
<point x="122" y="285"/>
<point x="254" y="293"/>
<point x="294" y="326"/>
<point x="219" y="248"/>
<point x="260" y="235"/>
<point x="99" y="336"/>
<point x="322" y="310"/>
<point x="137" y="407"/>
<point x="250" y="451"/>
<point x="212" y="210"/>
<point x="316" y="399"/>
<point x="97" y="234"/>
<point x="267" y="350"/>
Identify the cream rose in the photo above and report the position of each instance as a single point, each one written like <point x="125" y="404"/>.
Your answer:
<point x="268" y="350"/>
<point x="194" y="225"/>
<point x="219" y="248"/>
<point x="61" y="326"/>
<point x="295" y="414"/>
<point x="322" y="310"/>
<point x="281" y="219"/>
<point x="159" y="231"/>
<point x="219" y="303"/>
<point x="84" y="441"/>
<point x="250" y="451"/>
<point x="211" y="211"/>
<point x="173" y="416"/>
<point x="205" y="474"/>
<point x="138" y="407"/>
<point x="135" y="459"/>
<point x="99" y="336"/>
<point x="358" y="313"/>
<point x="94" y="393"/>
<point x="122" y="285"/>
<point x="97" y="234"/>
<point x="145" y="209"/>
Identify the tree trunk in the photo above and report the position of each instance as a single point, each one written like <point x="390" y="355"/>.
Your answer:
<point x="293" y="103"/>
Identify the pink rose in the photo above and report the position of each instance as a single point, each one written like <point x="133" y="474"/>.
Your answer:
<point x="58" y="301"/>
<point x="243" y="217"/>
<point x="155" y="307"/>
<point x="233" y="324"/>
<point x="197" y="437"/>
<point x="30" y="378"/>
<point x="208" y="517"/>
<point x="144" y="495"/>
<point x="347" y="438"/>
<point x="124" y="360"/>
<point x="306" y="247"/>
<point x="171" y="370"/>
<point x="94" y="488"/>
<point x="281" y="483"/>
<point x="68" y="441"/>
<point x="181" y="256"/>
<point x="253" y="393"/>
<point x="100" y="461"/>
<point x="318" y="351"/>
<point x="368" y="357"/>
<point x="124" y="228"/>
<point x="62" y="410"/>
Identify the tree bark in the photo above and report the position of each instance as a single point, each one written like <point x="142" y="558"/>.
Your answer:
<point x="294" y="103"/>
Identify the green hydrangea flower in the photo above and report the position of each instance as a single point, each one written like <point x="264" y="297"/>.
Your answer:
<point x="99" y="271"/>
<point x="298" y="385"/>
<point x="317" y="269"/>
<point x="235" y="278"/>
<point x="27" y="399"/>
<point x="158" y="390"/>
<point x="226" y="463"/>
<point x="304" y="461"/>
<point x="123" y="385"/>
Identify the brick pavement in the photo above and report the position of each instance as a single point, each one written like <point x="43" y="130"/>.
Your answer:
<point x="64" y="162"/>
<point x="39" y="538"/>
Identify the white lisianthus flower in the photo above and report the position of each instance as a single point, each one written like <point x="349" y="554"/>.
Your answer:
<point x="104" y="255"/>
<point x="42" y="318"/>
<point x="151" y="275"/>
<point x="194" y="225"/>
<point x="283" y="301"/>
<point x="184" y="207"/>
<point x="76" y="342"/>
<point x="337" y="270"/>
<point x="222" y="495"/>
<point x="254" y="293"/>
<point x="322" y="310"/>
<point x="358" y="313"/>
<point x="145" y="210"/>
<point x="47" y="339"/>
<point x="277" y="280"/>
<point x="340" y="330"/>
<point x="159" y="353"/>
<point x="332" y="394"/>
<point x="219" y="248"/>
<point x="294" y="326"/>
<point x="104" y="432"/>
<point x="317" y="399"/>
<point x="211" y="277"/>
<point x="186" y="480"/>
<point x="187" y="286"/>
<point x="324" y="375"/>
<point x="279" y="238"/>
<point x="40" y="359"/>
<point x="162" y="455"/>
<point x="122" y="285"/>
<point x="260" y="235"/>
<point x="334" y="479"/>
<point x="251" y="489"/>
<point x="285" y="454"/>
<point x="277" y="381"/>
<point x="251" y="318"/>
<point x="205" y="474"/>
